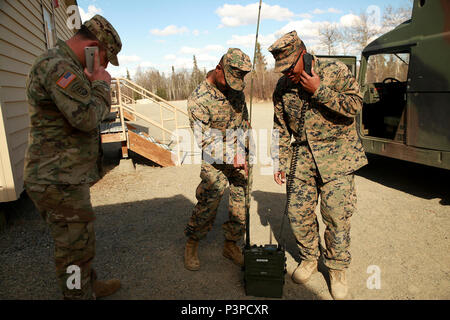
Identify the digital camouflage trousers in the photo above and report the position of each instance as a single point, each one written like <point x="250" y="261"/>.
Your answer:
<point x="215" y="178"/>
<point x="68" y="212"/>
<point x="337" y="205"/>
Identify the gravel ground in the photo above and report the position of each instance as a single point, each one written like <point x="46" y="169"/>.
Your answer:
<point x="401" y="227"/>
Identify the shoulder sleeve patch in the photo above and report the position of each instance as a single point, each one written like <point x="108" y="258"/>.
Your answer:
<point x="66" y="79"/>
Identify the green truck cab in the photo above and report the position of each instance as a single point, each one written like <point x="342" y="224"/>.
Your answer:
<point x="405" y="79"/>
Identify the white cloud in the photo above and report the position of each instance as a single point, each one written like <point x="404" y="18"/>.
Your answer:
<point x="305" y="15"/>
<point x="333" y="10"/>
<point x="329" y="10"/>
<point x="238" y="15"/>
<point x="92" y="11"/>
<point x="348" y="20"/>
<point x="248" y="41"/>
<point x="124" y="59"/>
<point x="169" y="30"/>
<point x="318" y="11"/>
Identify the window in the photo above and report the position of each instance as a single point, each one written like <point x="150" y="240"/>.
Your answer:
<point x="49" y="27"/>
<point x="387" y="66"/>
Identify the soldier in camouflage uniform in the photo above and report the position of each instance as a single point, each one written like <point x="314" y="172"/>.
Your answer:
<point x="329" y="151"/>
<point x="66" y="106"/>
<point x="218" y="116"/>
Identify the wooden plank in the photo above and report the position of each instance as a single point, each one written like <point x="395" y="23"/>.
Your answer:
<point x="11" y="65"/>
<point x="150" y="150"/>
<point x="12" y="79"/>
<point x="21" y="31"/>
<point x="34" y="7"/>
<point x="129" y="116"/>
<point x="16" y="124"/>
<point x="62" y="31"/>
<point x="15" y="109"/>
<point x="15" y="10"/>
<point x="18" y="154"/>
<point x="12" y="94"/>
<point x="112" y="137"/>
<point x="124" y="149"/>
<point x="18" y="139"/>
<point x="19" y="54"/>
<point x="19" y="42"/>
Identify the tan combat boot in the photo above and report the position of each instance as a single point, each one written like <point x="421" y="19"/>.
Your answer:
<point x="339" y="287"/>
<point x="105" y="288"/>
<point x="304" y="271"/>
<point x="232" y="252"/>
<point x="191" y="261"/>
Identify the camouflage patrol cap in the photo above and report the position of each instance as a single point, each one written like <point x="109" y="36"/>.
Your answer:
<point x="106" y="34"/>
<point x="284" y="50"/>
<point x="236" y="65"/>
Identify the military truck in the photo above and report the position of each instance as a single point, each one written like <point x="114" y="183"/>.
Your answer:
<point x="405" y="79"/>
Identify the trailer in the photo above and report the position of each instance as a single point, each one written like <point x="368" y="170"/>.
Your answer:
<point x="27" y="29"/>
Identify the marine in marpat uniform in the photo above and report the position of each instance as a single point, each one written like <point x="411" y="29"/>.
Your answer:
<point x="329" y="152"/>
<point x="218" y="116"/>
<point x="66" y="106"/>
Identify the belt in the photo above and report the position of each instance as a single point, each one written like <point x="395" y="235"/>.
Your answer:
<point x="299" y="143"/>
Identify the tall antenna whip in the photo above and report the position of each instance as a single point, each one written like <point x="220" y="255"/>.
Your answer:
<point x="247" y="192"/>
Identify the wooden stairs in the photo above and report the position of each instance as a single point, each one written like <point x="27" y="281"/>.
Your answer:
<point x="117" y="127"/>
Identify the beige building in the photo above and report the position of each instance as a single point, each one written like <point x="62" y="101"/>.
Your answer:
<point x="27" y="29"/>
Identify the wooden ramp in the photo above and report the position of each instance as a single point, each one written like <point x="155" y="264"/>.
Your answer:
<point x="137" y="141"/>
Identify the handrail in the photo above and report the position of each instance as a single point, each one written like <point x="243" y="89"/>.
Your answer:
<point x="150" y="94"/>
<point x="139" y="115"/>
<point x="122" y="104"/>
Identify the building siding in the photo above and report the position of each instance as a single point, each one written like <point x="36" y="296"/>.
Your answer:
<point x="22" y="40"/>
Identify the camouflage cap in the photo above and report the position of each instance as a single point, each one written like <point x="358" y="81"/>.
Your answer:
<point x="284" y="49"/>
<point x="236" y="65"/>
<point x="107" y="35"/>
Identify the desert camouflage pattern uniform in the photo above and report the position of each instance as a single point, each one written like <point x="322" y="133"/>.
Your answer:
<point x="64" y="156"/>
<point x="214" y="117"/>
<point x="329" y="152"/>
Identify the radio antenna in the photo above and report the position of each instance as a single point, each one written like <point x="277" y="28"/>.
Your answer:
<point x="247" y="156"/>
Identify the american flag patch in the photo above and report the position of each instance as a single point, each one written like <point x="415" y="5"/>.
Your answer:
<point x="66" y="79"/>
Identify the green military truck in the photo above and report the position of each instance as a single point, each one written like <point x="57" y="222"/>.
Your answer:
<point x="405" y="78"/>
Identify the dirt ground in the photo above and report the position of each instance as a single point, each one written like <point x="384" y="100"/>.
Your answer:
<point x="401" y="230"/>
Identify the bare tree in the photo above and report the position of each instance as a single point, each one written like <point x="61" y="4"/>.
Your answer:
<point x="329" y="37"/>
<point x="392" y="17"/>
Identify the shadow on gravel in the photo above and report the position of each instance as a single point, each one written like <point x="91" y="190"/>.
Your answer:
<point x="271" y="212"/>
<point x="418" y="180"/>
<point x="141" y="243"/>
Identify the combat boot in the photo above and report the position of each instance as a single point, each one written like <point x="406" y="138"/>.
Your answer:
<point x="304" y="271"/>
<point x="338" y="281"/>
<point x="191" y="261"/>
<point x="232" y="252"/>
<point x="105" y="288"/>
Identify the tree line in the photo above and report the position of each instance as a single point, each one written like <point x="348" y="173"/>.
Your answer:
<point x="334" y="39"/>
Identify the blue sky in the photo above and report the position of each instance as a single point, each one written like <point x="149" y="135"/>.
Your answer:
<point x="160" y="34"/>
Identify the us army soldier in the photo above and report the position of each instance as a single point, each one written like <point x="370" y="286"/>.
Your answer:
<point x="66" y="106"/>
<point x="329" y="152"/>
<point x="217" y="112"/>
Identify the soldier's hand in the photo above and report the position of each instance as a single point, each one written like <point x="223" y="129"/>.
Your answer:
<point x="240" y="163"/>
<point x="98" y="72"/>
<point x="310" y="83"/>
<point x="279" y="177"/>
